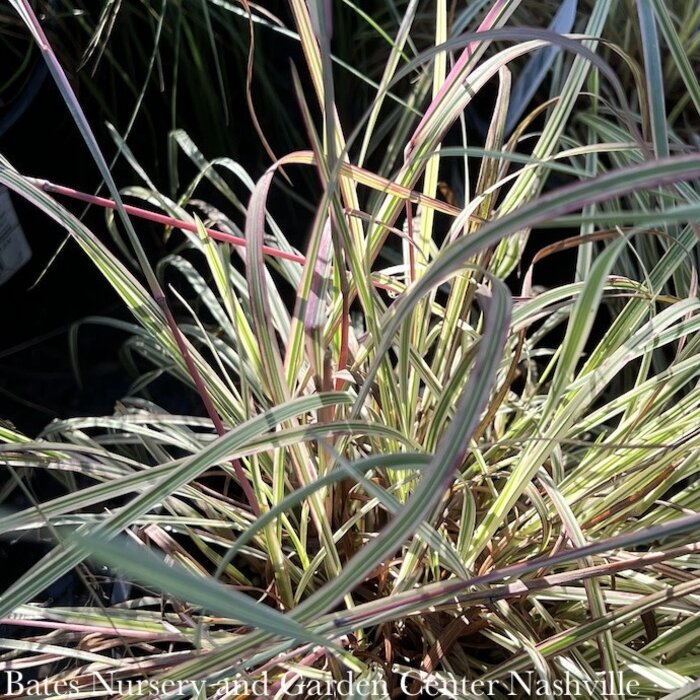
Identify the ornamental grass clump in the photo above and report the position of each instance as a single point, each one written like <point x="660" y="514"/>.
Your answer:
<point x="405" y="476"/>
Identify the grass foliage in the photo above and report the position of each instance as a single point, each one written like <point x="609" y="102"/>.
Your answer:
<point x="401" y="469"/>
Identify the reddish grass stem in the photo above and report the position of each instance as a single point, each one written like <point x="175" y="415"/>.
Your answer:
<point x="159" y="218"/>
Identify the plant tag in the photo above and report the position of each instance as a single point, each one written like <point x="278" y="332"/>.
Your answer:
<point x="14" y="249"/>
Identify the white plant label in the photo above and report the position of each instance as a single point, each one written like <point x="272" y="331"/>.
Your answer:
<point x="14" y="249"/>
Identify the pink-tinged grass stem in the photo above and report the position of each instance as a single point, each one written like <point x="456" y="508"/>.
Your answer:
<point x="159" y="218"/>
